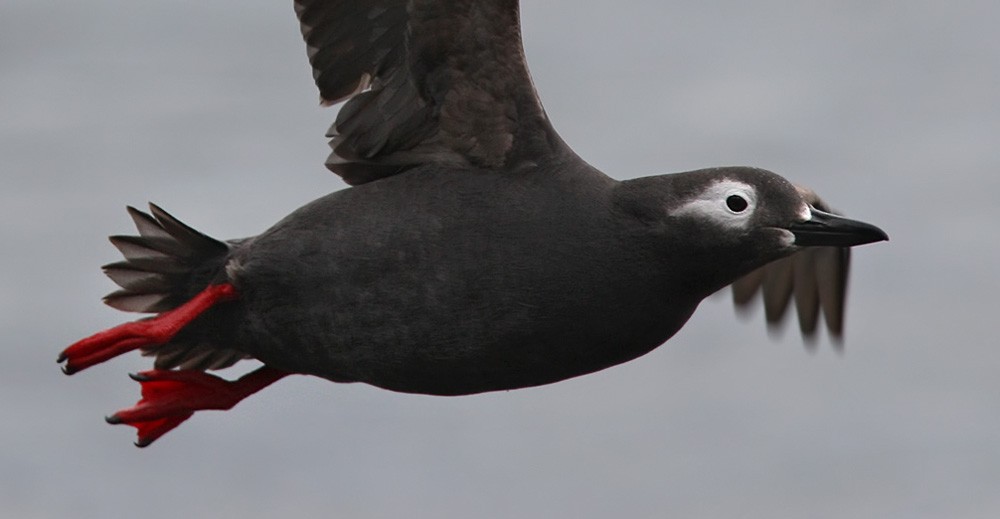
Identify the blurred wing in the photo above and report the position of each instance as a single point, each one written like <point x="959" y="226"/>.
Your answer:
<point x="815" y="278"/>
<point x="426" y="81"/>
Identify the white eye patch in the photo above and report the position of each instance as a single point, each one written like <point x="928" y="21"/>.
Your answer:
<point x="726" y="202"/>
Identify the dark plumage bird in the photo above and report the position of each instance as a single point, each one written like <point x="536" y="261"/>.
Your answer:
<point x="475" y="252"/>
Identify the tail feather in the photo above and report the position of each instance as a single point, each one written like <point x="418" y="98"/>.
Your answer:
<point x="166" y="265"/>
<point x="147" y="225"/>
<point x="199" y="356"/>
<point x="137" y="281"/>
<point x="150" y="247"/>
<point x="196" y="241"/>
<point x="163" y="264"/>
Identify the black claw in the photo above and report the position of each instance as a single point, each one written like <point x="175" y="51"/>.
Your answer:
<point x="113" y="419"/>
<point x="67" y="369"/>
<point x="62" y="357"/>
<point x="138" y="377"/>
<point x="142" y="443"/>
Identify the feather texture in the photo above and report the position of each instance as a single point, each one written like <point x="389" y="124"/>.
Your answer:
<point x="164" y="266"/>
<point x="424" y="82"/>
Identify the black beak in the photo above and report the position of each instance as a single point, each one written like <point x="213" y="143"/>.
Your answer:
<point x="830" y="230"/>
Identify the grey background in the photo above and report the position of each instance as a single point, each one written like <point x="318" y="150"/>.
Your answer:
<point x="891" y="110"/>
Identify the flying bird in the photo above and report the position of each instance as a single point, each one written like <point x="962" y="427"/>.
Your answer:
<point x="475" y="251"/>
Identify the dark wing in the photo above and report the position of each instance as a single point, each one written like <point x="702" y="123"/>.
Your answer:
<point x="426" y="81"/>
<point x="815" y="278"/>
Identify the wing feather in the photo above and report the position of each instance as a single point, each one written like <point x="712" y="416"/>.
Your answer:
<point x="425" y="81"/>
<point x="814" y="278"/>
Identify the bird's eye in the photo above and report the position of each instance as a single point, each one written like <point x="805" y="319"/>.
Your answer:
<point x="736" y="203"/>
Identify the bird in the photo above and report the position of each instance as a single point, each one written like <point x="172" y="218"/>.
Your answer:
<point x="473" y="250"/>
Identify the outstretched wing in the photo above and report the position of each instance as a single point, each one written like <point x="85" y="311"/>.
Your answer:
<point x="440" y="81"/>
<point x="815" y="278"/>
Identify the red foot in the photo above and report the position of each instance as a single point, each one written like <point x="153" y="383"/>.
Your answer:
<point x="146" y="332"/>
<point x="169" y="397"/>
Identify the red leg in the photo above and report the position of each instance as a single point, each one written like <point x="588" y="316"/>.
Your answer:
<point x="145" y="332"/>
<point x="169" y="397"/>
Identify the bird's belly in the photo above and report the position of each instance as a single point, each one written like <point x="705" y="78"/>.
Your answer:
<point x="424" y="329"/>
<point x="468" y="353"/>
<point x="434" y="295"/>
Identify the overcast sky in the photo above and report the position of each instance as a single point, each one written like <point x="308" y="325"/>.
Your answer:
<point x="890" y="110"/>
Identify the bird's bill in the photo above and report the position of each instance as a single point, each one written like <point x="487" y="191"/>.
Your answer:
<point x="829" y="230"/>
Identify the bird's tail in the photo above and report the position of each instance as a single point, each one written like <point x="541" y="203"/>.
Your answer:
<point x="166" y="265"/>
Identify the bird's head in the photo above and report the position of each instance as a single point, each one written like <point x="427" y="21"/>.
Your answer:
<point x="725" y="222"/>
